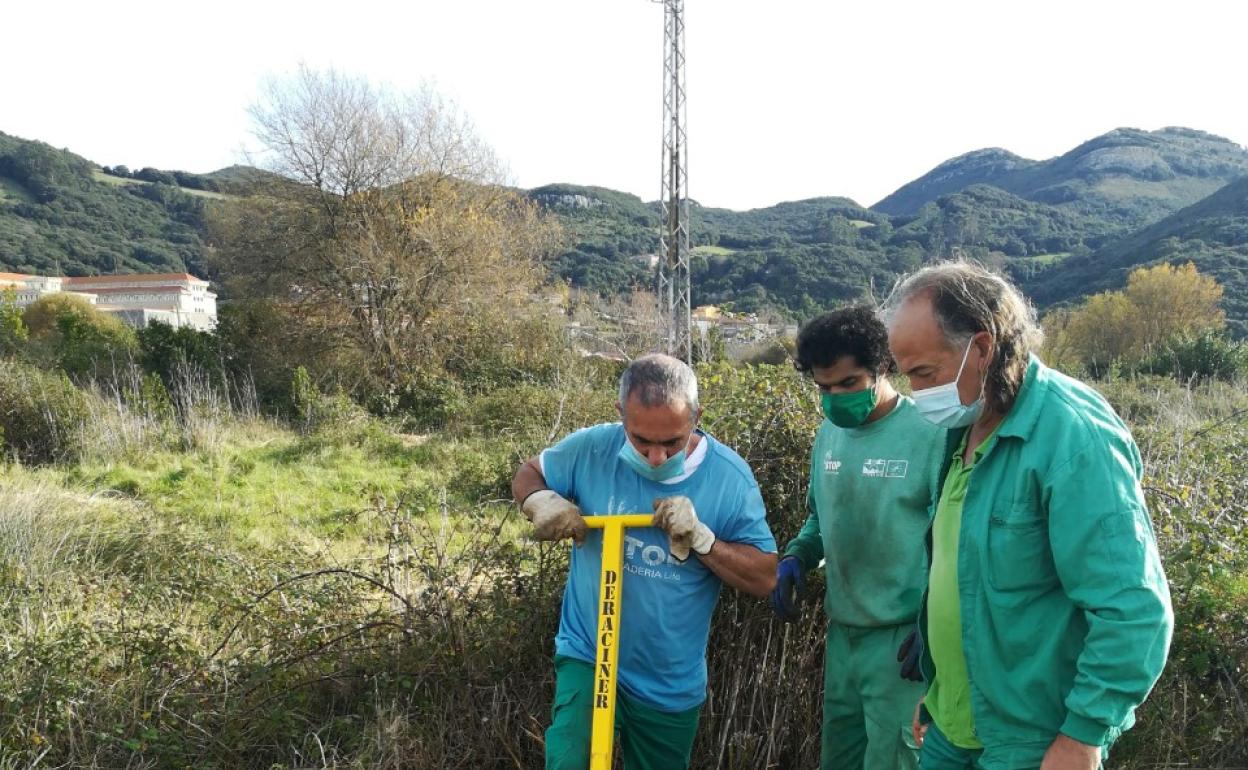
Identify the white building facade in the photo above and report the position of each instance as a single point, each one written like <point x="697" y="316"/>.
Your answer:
<point x="178" y="299"/>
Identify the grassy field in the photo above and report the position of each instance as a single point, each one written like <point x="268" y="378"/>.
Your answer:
<point x="1049" y="259"/>
<point x="261" y="484"/>
<point x="117" y="181"/>
<point x="241" y="593"/>
<point x="711" y="251"/>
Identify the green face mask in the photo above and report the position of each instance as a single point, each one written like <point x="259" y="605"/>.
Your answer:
<point x="849" y="410"/>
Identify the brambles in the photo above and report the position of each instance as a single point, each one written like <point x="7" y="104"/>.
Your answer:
<point x="348" y="596"/>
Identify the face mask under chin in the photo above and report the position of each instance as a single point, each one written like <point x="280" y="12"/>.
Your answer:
<point x="671" y="468"/>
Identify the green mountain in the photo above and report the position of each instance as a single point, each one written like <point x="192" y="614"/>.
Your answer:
<point x="1033" y="218"/>
<point x="1127" y="176"/>
<point x="802" y="256"/>
<point x="1212" y="233"/>
<point x="745" y="258"/>
<point x="986" y="217"/>
<point x="59" y="213"/>
<point x="981" y="167"/>
<point x="610" y="234"/>
<point x="1063" y="227"/>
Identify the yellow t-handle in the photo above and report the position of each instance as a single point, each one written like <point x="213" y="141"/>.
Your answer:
<point x="609" y="596"/>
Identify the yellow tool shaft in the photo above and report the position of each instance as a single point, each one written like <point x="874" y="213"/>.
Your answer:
<point x="610" y="594"/>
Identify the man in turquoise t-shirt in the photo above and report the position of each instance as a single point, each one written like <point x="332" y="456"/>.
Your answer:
<point x="872" y="474"/>
<point x="706" y="504"/>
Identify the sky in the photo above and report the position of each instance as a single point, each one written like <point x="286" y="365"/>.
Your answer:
<point x="787" y="99"/>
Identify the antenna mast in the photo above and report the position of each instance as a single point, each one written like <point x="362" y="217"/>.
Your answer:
<point x="673" y="272"/>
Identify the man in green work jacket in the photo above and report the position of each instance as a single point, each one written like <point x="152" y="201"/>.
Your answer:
<point x="872" y="477"/>
<point x="1047" y="618"/>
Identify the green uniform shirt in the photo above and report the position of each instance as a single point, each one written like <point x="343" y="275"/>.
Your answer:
<point x="869" y="495"/>
<point x="949" y="699"/>
<point x="1063" y="604"/>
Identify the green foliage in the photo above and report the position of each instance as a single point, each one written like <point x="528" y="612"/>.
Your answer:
<point x="1196" y="488"/>
<point x="1212" y="233"/>
<point x="1208" y="355"/>
<point x="66" y="332"/>
<point x="522" y="412"/>
<point x="317" y="412"/>
<point x="41" y="414"/>
<point x="303" y="397"/>
<point x="989" y="218"/>
<point x="162" y="349"/>
<point x="1062" y="228"/>
<point x="73" y="224"/>
<point x="607" y="231"/>
<point x="806" y="256"/>
<point x="256" y="344"/>
<point x="153" y="399"/>
<point x="1163" y="312"/>
<point x="361" y="595"/>
<point x="13" y="331"/>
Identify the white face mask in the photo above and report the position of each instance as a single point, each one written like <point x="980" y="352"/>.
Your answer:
<point x="943" y="406"/>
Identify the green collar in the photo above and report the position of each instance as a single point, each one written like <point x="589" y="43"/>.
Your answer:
<point x="1025" y="413"/>
<point x="1022" y="417"/>
<point x="980" y="450"/>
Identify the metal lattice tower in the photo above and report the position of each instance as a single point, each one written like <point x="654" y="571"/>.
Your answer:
<point x="673" y="273"/>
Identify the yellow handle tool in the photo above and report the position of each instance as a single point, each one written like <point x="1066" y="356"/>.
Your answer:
<point x="610" y="589"/>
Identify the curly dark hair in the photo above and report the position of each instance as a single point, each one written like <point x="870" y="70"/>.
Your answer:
<point x="851" y="331"/>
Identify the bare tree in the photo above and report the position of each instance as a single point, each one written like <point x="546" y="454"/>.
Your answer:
<point x="342" y="135"/>
<point x="623" y="325"/>
<point x="384" y="227"/>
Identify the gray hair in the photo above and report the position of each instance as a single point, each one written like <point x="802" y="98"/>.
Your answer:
<point x="968" y="298"/>
<point x="657" y="379"/>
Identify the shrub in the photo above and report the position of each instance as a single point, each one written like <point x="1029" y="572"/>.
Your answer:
<point x="534" y="413"/>
<point x="1197" y="715"/>
<point x="68" y="333"/>
<point x="41" y="414"/>
<point x="765" y="714"/>
<point x="162" y="349"/>
<point x="427" y="643"/>
<point x="1205" y="356"/>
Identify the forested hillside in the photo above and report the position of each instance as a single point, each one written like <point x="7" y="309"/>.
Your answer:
<point x="1096" y="208"/>
<point x="1212" y="233"/>
<point x="59" y="213"/>
<point x="1062" y="227"/>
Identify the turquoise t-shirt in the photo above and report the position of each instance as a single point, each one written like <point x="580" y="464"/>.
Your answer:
<point x="666" y="611"/>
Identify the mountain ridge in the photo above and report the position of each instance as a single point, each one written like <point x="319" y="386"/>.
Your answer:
<point x="1129" y="175"/>
<point x="1062" y="227"/>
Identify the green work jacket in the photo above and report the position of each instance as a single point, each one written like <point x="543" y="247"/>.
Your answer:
<point x="1065" y="610"/>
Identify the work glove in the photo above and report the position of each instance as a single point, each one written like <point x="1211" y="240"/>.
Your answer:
<point x="676" y="517"/>
<point x="909" y="655"/>
<point x="554" y="517"/>
<point x="784" y="596"/>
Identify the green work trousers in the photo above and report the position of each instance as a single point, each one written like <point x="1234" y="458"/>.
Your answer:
<point x="649" y="739"/>
<point x="867" y="706"/>
<point x="939" y="754"/>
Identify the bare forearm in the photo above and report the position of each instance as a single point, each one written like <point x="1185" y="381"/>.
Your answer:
<point x="1066" y="753"/>
<point x="528" y="479"/>
<point x="742" y="566"/>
